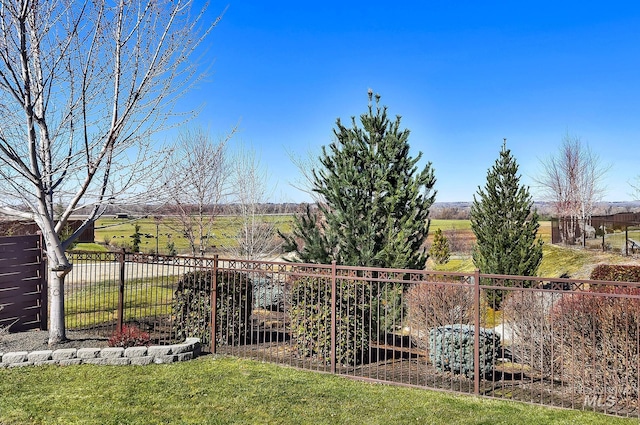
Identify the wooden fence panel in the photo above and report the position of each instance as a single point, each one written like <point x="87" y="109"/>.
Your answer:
<point x="23" y="288"/>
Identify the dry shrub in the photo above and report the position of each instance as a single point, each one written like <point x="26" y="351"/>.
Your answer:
<point x="432" y="305"/>
<point x="600" y="337"/>
<point x="4" y="329"/>
<point x="460" y="241"/>
<point x="528" y="326"/>
<point x="191" y="308"/>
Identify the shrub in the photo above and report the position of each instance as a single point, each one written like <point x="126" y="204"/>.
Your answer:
<point x="234" y="300"/>
<point x="171" y="248"/>
<point x="432" y="305"/>
<point x="532" y="334"/>
<point x="267" y="294"/>
<point x="129" y="336"/>
<point x="4" y="329"/>
<point x="388" y="309"/>
<point x="451" y="349"/>
<point x="310" y="300"/>
<point x="598" y="338"/>
<point x="616" y="273"/>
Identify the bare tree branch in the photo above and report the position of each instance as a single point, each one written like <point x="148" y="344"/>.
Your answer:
<point x="256" y="237"/>
<point x="83" y="87"/>
<point x="573" y="181"/>
<point x="197" y="183"/>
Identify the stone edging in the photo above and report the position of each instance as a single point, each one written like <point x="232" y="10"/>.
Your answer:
<point x="115" y="356"/>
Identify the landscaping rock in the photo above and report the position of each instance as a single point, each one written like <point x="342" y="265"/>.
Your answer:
<point x="88" y="353"/>
<point x="15" y="357"/>
<point x="64" y="354"/>
<point x="112" y="352"/>
<point x="135" y="352"/>
<point x="39" y="356"/>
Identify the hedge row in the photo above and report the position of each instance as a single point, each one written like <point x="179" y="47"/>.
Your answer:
<point x="616" y="273"/>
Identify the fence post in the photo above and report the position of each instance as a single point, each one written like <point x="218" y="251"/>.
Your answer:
<point x="122" y="256"/>
<point x="214" y="306"/>
<point x="333" y="316"/>
<point x="476" y="333"/>
<point x="626" y="241"/>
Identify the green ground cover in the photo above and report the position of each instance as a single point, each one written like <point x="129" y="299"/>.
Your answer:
<point x="226" y="390"/>
<point x="98" y="303"/>
<point x="449" y="225"/>
<point x="117" y="232"/>
<point x="556" y="260"/>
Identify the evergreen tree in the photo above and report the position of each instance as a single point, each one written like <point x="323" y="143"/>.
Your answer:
<point x="374" y="212"/>
<point x="439" y="251"/>
<point x="505" y="225"/>
<point x="376" y="201"/>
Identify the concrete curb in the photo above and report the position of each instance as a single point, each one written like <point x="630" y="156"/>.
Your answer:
<point x="114" y="356"/>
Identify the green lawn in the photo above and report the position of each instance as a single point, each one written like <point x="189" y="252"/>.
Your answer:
<point x="226" y="390"/>
<point x="98" y="303"/>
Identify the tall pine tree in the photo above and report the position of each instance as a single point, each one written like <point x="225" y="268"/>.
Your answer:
<point x="374" y="212"/>
<point x="376" y="201"/>
<point x="505" y="225"/>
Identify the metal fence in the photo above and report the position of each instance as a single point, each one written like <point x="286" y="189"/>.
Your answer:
<point x="556" y="342"/>
<point x="618" y="233"/>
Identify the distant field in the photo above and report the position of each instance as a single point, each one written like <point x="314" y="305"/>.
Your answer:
<point x="117" y="232"/>
<point x="556" y="261"/>
<point x="464" y="228"/>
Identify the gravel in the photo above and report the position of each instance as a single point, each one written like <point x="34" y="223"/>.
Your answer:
<point x="38" y="340"/>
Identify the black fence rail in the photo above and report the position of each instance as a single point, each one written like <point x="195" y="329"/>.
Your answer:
<point x="556" y="342"/>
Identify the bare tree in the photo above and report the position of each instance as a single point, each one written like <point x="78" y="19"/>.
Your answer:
<point x="573" y="182"/>
<point x="257" y="232"/>
<point x="197" y="182"/>
<point x="635" y="188"/>
<point x="83" y="86"/>
<point x="305" y="165"/>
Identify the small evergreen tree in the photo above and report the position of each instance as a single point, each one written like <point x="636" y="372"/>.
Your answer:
<point x="505" y="225"/>
<point x="439" y="250"/>
<point x="136" y="238"/>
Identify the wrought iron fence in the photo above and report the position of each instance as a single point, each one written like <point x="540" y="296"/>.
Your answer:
<point x="557" y="342"/>
<point x="618" y="233"/>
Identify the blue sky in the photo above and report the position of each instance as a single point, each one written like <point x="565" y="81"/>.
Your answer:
<point x="463" y="76"/>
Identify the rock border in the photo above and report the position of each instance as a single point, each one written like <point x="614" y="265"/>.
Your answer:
<point x="114" y="356"/>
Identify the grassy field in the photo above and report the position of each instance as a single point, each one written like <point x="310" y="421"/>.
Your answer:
<point x="118" y="232"/>
<point x="556" y="261"/>
<point x="226" y="390"/>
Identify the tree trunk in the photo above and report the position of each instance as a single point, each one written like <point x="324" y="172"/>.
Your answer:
<point x="59" y="267"/>
<point x="57" y="331"/>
